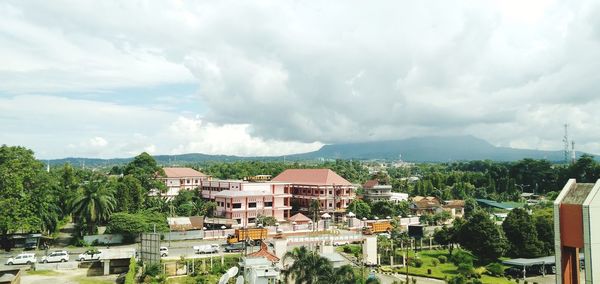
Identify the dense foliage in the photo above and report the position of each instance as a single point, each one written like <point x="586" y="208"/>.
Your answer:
<point x="136" y="223"/>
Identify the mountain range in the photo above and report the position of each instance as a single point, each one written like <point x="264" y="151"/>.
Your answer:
<point x="418" y="149"/>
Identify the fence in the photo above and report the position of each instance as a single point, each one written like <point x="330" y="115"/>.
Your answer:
<point x="329" y="238"/>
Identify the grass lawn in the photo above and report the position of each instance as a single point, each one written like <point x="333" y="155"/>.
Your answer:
<point x="442" y="270"/>
<point x="90" y="280"/>
<point x="43" y="272"/>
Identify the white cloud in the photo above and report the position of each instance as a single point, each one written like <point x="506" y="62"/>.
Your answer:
<point x="277" y="71"/>
<point x="108" y="130"/>
<point x="98" y="142"/>
<point x="234" y="139"/>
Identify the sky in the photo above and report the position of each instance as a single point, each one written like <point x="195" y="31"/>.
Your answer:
<point x="114" y="78"/>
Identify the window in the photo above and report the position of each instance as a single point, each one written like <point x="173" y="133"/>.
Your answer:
<point x="252" y="205"/>
<point x="251" y="220"/>
<point x="228" y="205"/>
<point x="321" y="192"/>
<point x="268" y="204"/>
<point x="238" y="205"/>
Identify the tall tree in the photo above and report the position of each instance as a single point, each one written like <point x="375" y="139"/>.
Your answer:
<point x="482" y="237"/>
<point x="144" y="168"/>
<point x="27" y="194"/>
<point x="360" y="208"/>
<point x="520" y="231"/>
<point x="94" y="202"/>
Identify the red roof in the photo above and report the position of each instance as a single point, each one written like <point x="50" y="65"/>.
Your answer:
<point x="264" y="252"/>
<point x="299" y="217"/>
<point x="371" y="183"/>
<point x="182" y="172"/>
<point x="311" y="177"/>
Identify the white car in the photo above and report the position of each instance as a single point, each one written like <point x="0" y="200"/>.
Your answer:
<point x="164" y="251"/>
<point x="88" y="256"/>
<point x="24" y="258"/>
<point x="57" y="256"/>
<point x="213" y="248"/>
<point x="340" y="243"/>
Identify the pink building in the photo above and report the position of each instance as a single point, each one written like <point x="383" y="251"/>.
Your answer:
<point x="177" y="179"/>
<point x="243" y="201"/>
<point x="333" y="192"/>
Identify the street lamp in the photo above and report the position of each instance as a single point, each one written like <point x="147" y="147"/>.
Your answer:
<point x="364" y="219"/>
<point x="223" y="230"/>
<point x="293" y="225"/>
<point x="310" y="225"/>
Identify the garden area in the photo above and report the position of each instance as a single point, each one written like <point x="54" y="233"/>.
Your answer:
<point x="458" y="268"/>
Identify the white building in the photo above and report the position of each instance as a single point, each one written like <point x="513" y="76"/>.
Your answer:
<point x="374" y="192"/>
<point x="177" y="179"/>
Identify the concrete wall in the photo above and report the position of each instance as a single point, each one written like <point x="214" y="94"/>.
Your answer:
<point x="185" y="235"/>
<point x="57" y="266"/>
<point x="369" y="250"/>
<point x="104" y="239"/>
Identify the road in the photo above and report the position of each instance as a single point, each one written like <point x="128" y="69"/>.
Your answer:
<point x="176" y="250"/>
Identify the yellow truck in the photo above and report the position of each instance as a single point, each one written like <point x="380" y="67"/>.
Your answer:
<point x="377" y="227"/>
<point x="250" y="235"/>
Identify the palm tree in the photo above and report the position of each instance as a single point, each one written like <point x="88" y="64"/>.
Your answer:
<point x="343" y="275"/>
<point x="308" y="267"/>
<point x="94" y="202"/>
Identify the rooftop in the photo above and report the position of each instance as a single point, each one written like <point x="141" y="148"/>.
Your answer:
<point x="578" y="193"/>
<point x="501" y="205"/>
<point x="264" y="252"/>
<point x="182" y="172"/>
<point x="311" y="177"/>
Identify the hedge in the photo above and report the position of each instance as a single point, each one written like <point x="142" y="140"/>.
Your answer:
<point x="130" y="277"/>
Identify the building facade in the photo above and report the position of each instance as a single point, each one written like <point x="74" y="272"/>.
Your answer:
<point x="576" y="215"/>
<point x="177" y="179"/>
<point x="333" y="192"/>
<point x="375" y="192"/>
<point x="243" y="201"/>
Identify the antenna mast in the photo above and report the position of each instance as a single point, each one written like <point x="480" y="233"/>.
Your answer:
<point x="566" y="143"/>
<point x="573" y="155"/>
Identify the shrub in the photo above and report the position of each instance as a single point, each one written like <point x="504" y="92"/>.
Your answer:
<point x="442" y="259"/>
<point x="461" y="256"/>
<point x="465" y="269"/>
<point x="495" y="269"/>
<point x="152" y="270"/>
<point x="347" y="249"/>
<point x="416" y="262"/>
<point x="435" y="262"/>
<point x="79" y="242"/>
<point x="130" y="277"/>
<point x="458" y="279"/>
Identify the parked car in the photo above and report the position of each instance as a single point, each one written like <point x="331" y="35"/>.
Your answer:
<point x="30" y="246"/>
<point x="164" y="251"/>
<point x="212" y="248"/>
<point x="57" y="256"/>
<point x="234" y="247"/>
<point x="23" y="258"/>
<point x="340" y="243"/>
<point x="89" y="256"/>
